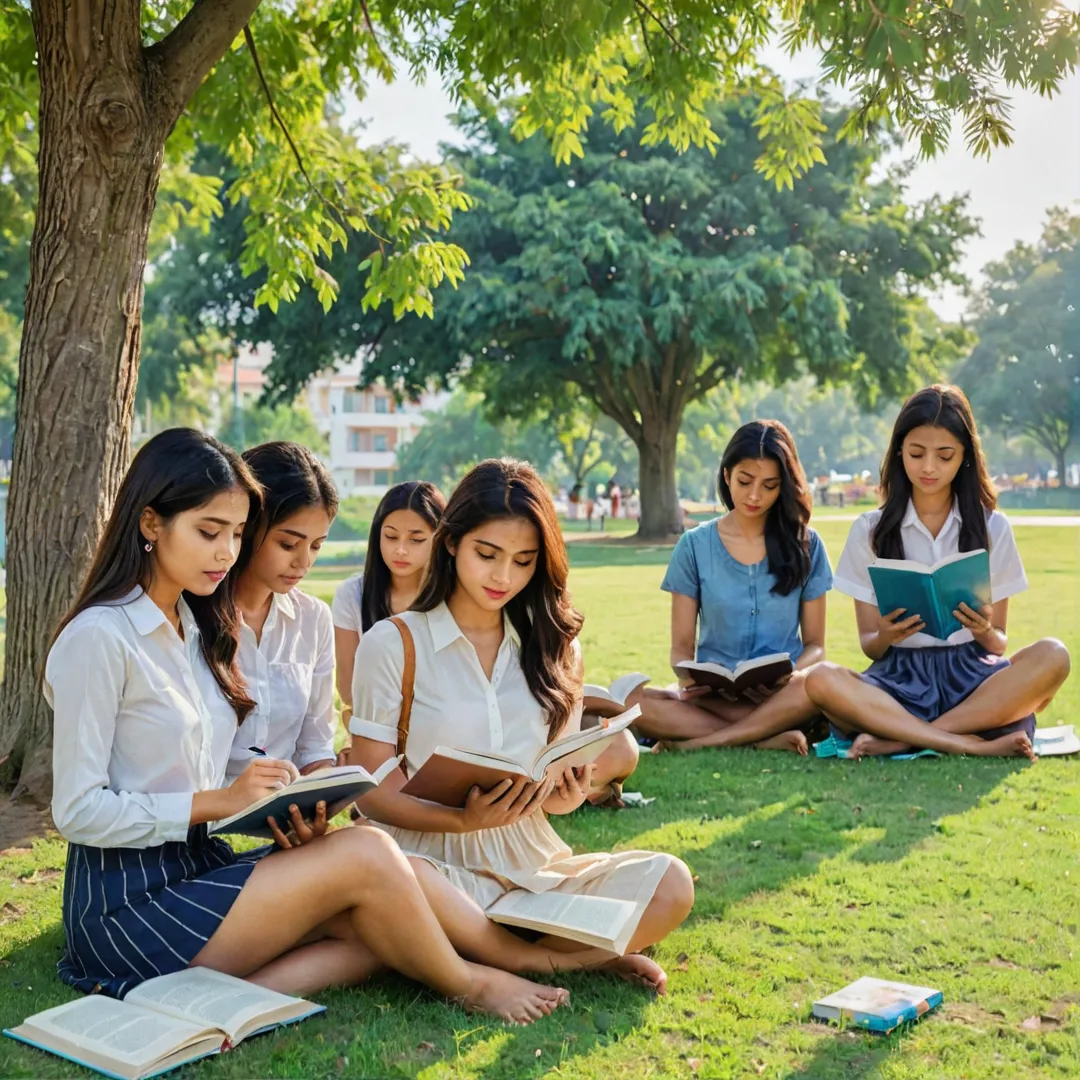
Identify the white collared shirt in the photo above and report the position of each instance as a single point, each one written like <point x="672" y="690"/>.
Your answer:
<point x="346" y="607"/>
<point x="1007" y="576"/>
<point x="133" y="738"/>
<point x="289" y="673"/>
<point x="454" y="703"/>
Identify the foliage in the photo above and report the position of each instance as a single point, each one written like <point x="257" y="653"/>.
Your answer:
<point x="1024" y="374"/>
<point x="257" y="423"/>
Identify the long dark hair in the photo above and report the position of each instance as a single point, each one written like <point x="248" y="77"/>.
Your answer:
<point x="178" y="470"/>
<point x="944" y="407"/>
<point x="542" y="614"/>
<point x="293" y="479"/>
<point x="787" y="526"/>
<point x="417" y="495"/>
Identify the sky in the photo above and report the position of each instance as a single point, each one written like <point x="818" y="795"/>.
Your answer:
<point x="1009" y="193"/>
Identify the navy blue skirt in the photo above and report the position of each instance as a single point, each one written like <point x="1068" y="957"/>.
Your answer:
<point x="929" y="682"/>
<point x="133" y="913"/>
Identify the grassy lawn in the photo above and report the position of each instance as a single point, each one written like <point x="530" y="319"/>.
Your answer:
<point x="960" y="874"/>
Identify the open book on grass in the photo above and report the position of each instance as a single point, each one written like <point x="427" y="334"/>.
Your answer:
<point x="1052" y="741"/>
<point x="162" y="1024"/>
<point x="761" y="671"/>
<point x="611" y="701"/>
<point x="338" y="786"/>
<point x="449" y="774"/>
<point x="877" y="1005"/>
<point x="593" y="920"/>
<point x="934" y="592"/>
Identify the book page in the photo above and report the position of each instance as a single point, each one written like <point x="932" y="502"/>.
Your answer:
<point x="596" y="916"/>
<point x="208" y="997"/>
<point x="583" y="746"/>
<point x="116" y="1029"/>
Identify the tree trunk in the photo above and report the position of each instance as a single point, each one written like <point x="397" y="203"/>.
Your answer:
<point x="661" y="516"/>
<point x="1062" y="469"/>
<point x="106" y="106"/>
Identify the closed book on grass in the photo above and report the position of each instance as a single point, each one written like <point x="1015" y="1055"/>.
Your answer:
<point x="877" y="1005"/>
<point x="933" y="592"/>
<point x="449" y="774"/>
<point x="761" y="671"/>
<point x="340" y="785"/>
<point x="162" y="1024"/>
<point x="610" y="701"/>
<point x="600" y="921"/>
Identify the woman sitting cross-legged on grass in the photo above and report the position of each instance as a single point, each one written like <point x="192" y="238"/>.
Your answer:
<point x="498" y="668"/>
<point x="148" y="646"/>
<point x="937" y="500"/>
<point x="399" y="545"/>
<point x="743" y="586"/>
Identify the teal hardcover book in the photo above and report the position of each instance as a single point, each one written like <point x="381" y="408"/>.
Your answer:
<point x="933" y="592"/>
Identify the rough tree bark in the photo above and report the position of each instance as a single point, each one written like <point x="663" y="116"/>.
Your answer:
<point x="107" y="105"/>
<point x="661" y="516"/>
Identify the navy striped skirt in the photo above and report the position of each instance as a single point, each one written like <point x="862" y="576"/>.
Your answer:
<point x="929" y="682"/>
<point x="133" y="913"/>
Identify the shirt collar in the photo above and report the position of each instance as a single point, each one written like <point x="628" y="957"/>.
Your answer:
<point x="445" y="630"/>
<point x="145" y="616"/>
<point x="281" y="604"/>
<point x="911" y="517"/>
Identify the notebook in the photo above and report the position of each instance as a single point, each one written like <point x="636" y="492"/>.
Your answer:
<point x="877" y="1004"/>
<point x="934" y="592"/>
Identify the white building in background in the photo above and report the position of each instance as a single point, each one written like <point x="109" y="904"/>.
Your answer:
<point x="365" y="428"/>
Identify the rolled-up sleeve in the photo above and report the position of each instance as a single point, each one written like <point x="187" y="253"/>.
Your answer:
<point x="682" y="574"/>
<point x="852" y="571"/>
<point x="1007" y="577"/>
<point x="316" y="739"/>
<point x="380" y="661"/>
<point x="85" y="676"/>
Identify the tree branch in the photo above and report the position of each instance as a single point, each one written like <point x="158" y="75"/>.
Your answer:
<point x="186" y="56"/>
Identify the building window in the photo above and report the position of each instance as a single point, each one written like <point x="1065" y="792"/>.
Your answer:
<point x="382" y="477"/>
<point x="351" y="401"/>
<point x="382" y="404"/>
<point x="380" y="443"/>
<point x="358" y="440"/>
<point x="362" y="477"/>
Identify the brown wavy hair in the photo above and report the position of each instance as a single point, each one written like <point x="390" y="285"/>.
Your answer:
<point x="944" y="407"/>
<point x="542" y="614"/>
<point x="180" y="469"/>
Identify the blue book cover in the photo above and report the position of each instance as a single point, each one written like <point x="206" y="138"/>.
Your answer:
<point x="878" y="1005"/>
<point x="933" y="592"/>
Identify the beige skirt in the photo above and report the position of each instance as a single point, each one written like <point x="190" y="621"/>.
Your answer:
<point x="530" y="855"/>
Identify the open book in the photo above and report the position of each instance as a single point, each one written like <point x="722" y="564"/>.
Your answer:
<point x="761" y="671"/>
<point x="162" y="1024"/>
<point x="611" y="702"/>
<point x="1052" y="741"/>
<point x="449" y="774"/>
<point x="877" y="1005"/>
<point x="934" y="592"/>
<point x="593" y="920"/>
<point x="341" y="784"/>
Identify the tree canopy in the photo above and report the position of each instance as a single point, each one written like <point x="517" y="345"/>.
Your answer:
<point x="1023" y="376"/>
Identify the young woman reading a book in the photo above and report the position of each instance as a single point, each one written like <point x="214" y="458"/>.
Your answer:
<point x="746" y="585"/>
<point x="286" y="650"/>
<point x="497" y="668"/>
<point x="403" y="526"/>
<point x="937" y="499"/>
<point x="137" y="758"/>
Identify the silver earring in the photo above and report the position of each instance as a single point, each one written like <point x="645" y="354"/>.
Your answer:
<point x="148" y="546"/>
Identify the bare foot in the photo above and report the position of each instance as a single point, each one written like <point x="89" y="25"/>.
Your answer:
<point x="640" y="969"/>
<point x="786" y="740"/>
<point x="513" y="999"/>
<point x="872" y="746"/>
<point x="1016" y="744"/>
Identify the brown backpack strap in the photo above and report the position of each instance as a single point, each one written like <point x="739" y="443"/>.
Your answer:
<point x="408" y="681"/>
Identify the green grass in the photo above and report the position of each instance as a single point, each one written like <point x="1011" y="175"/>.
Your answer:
<point x="960" y="874"/>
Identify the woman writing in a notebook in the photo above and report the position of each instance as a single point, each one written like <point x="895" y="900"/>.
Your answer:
<point x="960" y="695"/>
<point x="397" y="555"/>
<point x="746" y="585"/>
<point x="148" y="645"/>
<point x="497" y="668"/>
